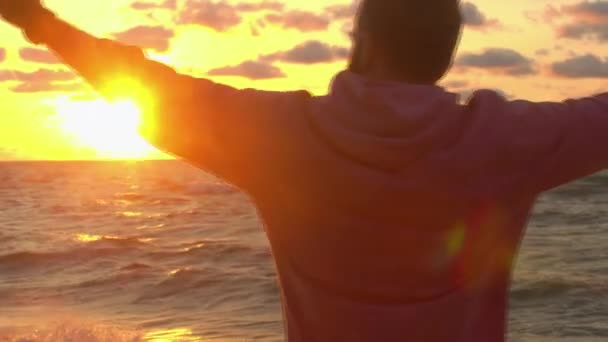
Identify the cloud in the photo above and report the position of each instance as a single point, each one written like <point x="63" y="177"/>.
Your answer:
<point x="36" y="55"/>
<point x="260" y="6"/>
<point x="219" y="16"/>
<point x="581" y="20"/>
<point x="310" y="52"/>
<point x="581" y="30"/>
<point x="41" y="80"/>
<point x="586" y="66"/>
<point x="267" y="5"/>
<point x="342" y="11"/>
<point x="145" y="5"/>
<point x="474" y="18"/>
<point x="594" y="10"/>
<point x="500" y="60"/>
<point x="455" y="84"/>
<point x="40" y="75"/>
<point x="147" y="37"/>
<point x="254" y="70"/>
<point x="300" y="20"/>
<point x="2" y="55"/>
<point x="43" y="86"/>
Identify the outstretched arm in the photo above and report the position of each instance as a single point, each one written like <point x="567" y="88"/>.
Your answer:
<point x="545" y="145"/>
<point x="232" y="133"/>
<point x="99" y="61"/>
<point x="572" y="137"/>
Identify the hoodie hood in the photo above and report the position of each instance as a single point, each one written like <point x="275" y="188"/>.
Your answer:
<point x="386" y="124"/>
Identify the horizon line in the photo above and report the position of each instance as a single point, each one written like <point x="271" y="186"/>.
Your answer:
<point x="84" y="160"/>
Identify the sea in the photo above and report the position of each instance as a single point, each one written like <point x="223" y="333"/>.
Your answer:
<point x="161" y="251"/>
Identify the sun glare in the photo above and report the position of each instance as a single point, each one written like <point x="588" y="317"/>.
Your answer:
<point x="171" y="335"/>
<point x="109" y="129"/>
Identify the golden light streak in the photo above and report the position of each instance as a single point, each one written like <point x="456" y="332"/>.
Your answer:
<point x="110" y="129"/>
<point x="172" y="335"/>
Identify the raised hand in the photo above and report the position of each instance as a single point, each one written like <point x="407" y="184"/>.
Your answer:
<point x="22" y="13"/>
<point x="29" y="15"/>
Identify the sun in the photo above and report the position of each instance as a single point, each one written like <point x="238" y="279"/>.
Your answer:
<point x="110" y="129"/>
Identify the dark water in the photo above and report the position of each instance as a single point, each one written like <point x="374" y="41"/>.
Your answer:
<point x="159" y="251"/>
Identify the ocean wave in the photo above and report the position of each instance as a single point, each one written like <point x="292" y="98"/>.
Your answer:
<point x="70" y="332"/>
<point x="205" y="188"/>
<point x="6" y="238"/>
<point x="25" y="259"/>
<point x="142" y="216"/>
<point x="210" y="189"/>
<point x="171" y="201"/>
<point x="179" y="281"/>
<point x="183" y="213"/>
<point x="39" y="179"/>
<point x="119" y="279"/>
<point x="135" y="266"/>
<point x="119" y="242"/>
<point x="129" y="242"/>
<point x="10" y="202"/>
<point x="123" y="199"/>
<point x="208" y="249"/>
<point x="542" y="289"/>
<point x="168" y="184"/>
<point x="130" y="196"/>
<point x="59" y="209"/>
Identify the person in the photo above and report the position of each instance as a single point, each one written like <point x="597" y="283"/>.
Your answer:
<point x="394" y="211"/>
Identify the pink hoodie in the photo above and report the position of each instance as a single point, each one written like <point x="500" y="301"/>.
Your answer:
<point x="394" y="213"/>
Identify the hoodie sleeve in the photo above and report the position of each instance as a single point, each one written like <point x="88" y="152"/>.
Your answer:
<point x="234" y="134"/>
<point x="242" y="136"/>
<point x="555" y="143"/>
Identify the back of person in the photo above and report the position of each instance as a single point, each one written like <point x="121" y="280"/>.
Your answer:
<point x="405" y="209"/>
<point x="394" y="212"/>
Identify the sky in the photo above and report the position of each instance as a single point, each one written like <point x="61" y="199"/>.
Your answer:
<point x="538" y="50"/>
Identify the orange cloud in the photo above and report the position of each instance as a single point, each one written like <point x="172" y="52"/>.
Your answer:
<point x="586" y="66"/>
<point x="147" y="37"/>
<point x="310" y="52"/>
<point x="40" y="75"/>
<point x="145" y="5"/>
<point x="498" y="60"/>
<point x="300" y="20"/>
<point x="41" y="80"/>
<point x="474" y="18"/>
<point x="254" y="70"/>
<point x="36" y="55"/>
<point x="43" y="86"/>
<point x="219" y="16"/>
<point x="582" y="20"/>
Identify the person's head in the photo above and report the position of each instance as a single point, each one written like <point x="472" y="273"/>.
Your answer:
<point x="406" y="40"/>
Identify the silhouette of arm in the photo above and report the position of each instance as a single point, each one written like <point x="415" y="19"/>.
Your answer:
<point x="101" y="61"/>
<point x="556" y="142"/>
<point x="231" y="133"/>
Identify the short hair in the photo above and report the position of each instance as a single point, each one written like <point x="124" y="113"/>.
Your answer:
<point x="418" y="37"/>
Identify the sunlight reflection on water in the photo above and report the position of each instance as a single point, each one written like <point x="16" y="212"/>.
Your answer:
<point x="87" y="237"/>
<point x="172" y="335"/>
<point x="70" y="331"/>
